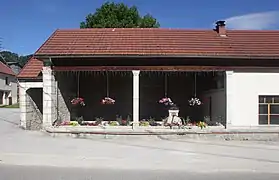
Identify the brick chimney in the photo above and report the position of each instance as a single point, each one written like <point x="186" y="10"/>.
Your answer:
<point x="221" y="28"/>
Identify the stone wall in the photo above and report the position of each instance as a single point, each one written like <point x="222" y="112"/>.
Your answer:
<point x="64" y="92"/>
<point x="34" y="108"/>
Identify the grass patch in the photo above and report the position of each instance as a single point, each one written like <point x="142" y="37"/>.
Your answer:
<point x="10" y="106"/>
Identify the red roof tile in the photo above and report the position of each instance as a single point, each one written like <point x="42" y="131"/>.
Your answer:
<point x="171" y="42"/>
<point x="254" y="43"/>
<point x="31" y="69"/>
<point x="134" y="41"/>
<point x="4" y="69"/>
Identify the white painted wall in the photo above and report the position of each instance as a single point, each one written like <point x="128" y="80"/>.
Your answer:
<point x="243" y="89"/>
<point x="11" y="89"/>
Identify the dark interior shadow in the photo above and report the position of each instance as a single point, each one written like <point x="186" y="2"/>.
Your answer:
<point x="36" y="94"/>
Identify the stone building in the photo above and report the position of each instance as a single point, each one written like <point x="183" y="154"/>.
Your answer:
<point x="233" y="72"/>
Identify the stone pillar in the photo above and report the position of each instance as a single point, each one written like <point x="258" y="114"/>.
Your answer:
<point x="49" y="97"/>
<point x="229" y="98"/>
<point x="22" y="105"/>
<point x="136" y="85"/>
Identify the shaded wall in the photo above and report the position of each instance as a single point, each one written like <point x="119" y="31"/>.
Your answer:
<point x="180" y="88"/>
<point x="34" y="108"/>
<point x="65" y="91"/>
<point x="215" y="105"/>
<point x="92" y="87"/>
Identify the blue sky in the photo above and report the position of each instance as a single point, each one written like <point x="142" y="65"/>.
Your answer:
<point x="26" y="24"/>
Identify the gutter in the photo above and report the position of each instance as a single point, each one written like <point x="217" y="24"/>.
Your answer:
<point x="46" y="56"/>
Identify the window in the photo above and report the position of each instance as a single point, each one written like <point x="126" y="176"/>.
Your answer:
<point x="268" y="110"/>
<point x="7" y="80"/>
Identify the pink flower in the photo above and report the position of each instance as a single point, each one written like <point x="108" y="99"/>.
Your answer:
<point x="78" y="100"/>
<point x="107" y="100"/>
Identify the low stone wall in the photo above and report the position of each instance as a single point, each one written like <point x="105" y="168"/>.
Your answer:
<point x="209" y="133"/>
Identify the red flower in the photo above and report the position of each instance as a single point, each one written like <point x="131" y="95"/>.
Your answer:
<point x="78" y="100"/>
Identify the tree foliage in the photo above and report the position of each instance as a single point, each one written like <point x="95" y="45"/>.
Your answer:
<point x="13" y="57"/>
<point x="118" y="15"/>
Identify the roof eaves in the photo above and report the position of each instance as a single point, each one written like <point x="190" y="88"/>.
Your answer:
<point x="219" y="56"/>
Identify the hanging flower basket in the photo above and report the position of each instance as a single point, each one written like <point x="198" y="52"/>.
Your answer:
<point x="194" y="101"/>
<point x="77" y="101"/>
<point x="107" y="100"/>
<point x="166" y="101"/>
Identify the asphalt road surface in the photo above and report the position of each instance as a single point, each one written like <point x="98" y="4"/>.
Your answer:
<point x="38" y="156"/>
<point x="11" y="172"/>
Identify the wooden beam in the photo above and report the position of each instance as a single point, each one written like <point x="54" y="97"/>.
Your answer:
<point x="141" y="68"/>
<point x="268" y="112"/>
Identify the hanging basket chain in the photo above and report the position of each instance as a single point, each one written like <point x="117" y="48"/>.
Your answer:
<point x="166" y="85"/>
<point x="107" y="99"/>
<point x="107" y="83"/>
<point x="194" y="101"/>
<point x="195" y="85"/>
<point x="78" y="84"/>
<point x="78" y="100"/>
<point x="166" y="100"/>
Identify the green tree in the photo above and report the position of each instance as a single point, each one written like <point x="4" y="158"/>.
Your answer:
<point x="118" y="15"/>
<point x="13" y="57"/>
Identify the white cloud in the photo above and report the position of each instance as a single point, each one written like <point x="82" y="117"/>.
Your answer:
<point x="254" y="21"/>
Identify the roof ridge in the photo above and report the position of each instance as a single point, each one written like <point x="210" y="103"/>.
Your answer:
<point x="159" y="29"/>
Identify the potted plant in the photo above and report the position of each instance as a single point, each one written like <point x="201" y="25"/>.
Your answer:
<point x="152" y="122"/>
<point x="98" y="120"/>
<point x="144" y="123"/>
<point x="201" y="124"/>
<point x="113" y="123"/>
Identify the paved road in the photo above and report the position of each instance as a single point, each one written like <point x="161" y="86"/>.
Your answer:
<point x="53" y="173"/>
<point x="37" y="154"/>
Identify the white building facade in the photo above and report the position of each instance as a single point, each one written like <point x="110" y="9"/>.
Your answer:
<point x="8" y="89"/>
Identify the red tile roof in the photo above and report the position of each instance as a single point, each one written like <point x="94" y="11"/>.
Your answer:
<point x="171" y="42"/>
<point x="154" y="42"/>
<point x="133" y="41"/>
<point x="31" y="69"/>
<point x="254" y="43"/>
<point x="4" y="69"/>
